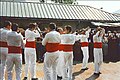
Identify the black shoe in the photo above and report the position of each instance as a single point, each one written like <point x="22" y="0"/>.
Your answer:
<point x="85" y="69"/>
<point x="59" y="77"/>
<point x="34" y="79"/>
<point x="97" y="73"/>
<point x="100" y="73"/>
<point x="25" y="78"/>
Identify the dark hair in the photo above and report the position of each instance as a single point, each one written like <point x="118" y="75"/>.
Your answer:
<point x="15" y="27"/>
<point x="32" y="25"/>
<point x="69" y="28"/>
<point x="52" y="26"/>
<point x="7" y="23"/>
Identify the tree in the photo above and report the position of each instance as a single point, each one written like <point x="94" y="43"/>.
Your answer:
<point x="64" y="1"/>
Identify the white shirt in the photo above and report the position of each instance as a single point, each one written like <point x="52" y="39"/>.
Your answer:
<point x="84" y="37"/>
<point x="15" y="39"/>
<point x="68" y="39"/>
<point x="97" y="38"/>
<point x="31" y="35"/>
<point x="51" y="37"/>
<point x="3" y="34"/>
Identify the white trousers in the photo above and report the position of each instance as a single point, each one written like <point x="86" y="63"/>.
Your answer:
<point x="67" y="65"/>
<point x="30" y="62"/>
<point x="14" y="59"/>
<point x="98" y="59"/>
<point x="50" y="64"/>
<point x="3" y="56"/>
<point x="85" y="57"/>
<point x="60" y="63"/>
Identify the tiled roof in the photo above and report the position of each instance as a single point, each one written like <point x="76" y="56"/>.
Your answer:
<point x="54" y="11"/>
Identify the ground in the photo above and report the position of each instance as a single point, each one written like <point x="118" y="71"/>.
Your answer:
<point x="110" y="71"/>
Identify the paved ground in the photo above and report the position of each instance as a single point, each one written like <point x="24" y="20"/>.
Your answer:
<point x="110" y="71"/>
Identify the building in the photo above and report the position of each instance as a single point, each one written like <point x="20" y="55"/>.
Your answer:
<point x="62" y="14"/>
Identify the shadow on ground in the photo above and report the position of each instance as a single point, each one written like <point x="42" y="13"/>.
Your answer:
<point x="77" y="73"/>
<point x="93" y="77"/>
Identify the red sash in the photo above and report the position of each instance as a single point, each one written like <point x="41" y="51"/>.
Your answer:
<point x="3" y="44"/>
<point x="52" y="47"/>
<point x="84" y="44"/>
<point x="14" y="49"/>
<point x="30" y="44"/>
<point x="61" y="46"/>
<point x="67" y="47"/>
<point x="97" y="45"/>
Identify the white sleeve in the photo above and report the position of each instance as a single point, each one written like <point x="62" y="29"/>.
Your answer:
<point x="97" y="33"/>
<point x="7" y="38"/>
<point x="37" y="34"/>
<point x="87" y="33"/>
<point x="45" y="40"/>
<point x="60" y="38"/>
<point x="102" y="32"/>
<point x="77" y="37"/>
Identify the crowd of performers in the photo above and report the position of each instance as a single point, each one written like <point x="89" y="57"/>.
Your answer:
<point x="58" y="58"/>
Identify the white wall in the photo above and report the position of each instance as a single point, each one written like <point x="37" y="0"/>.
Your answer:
<point x="14" y="0"/>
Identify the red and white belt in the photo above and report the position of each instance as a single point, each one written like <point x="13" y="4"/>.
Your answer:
<point x="30" y="44"/>
<point x="14" y="50"/>
<point x="97" y="44"/>
<point x="52" y="47"/>
<point x="3" y="44"/>
<point x="84" y="44"/>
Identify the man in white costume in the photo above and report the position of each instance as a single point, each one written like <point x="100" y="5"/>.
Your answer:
<point x="84" y="46"/>
<point x="98" y="55"/>
<point x="51" y="42"/>
<point x="14" y="57"/>
<point x="67" y="41"/>
<point x="4" y="47"/>
<point x="30" y="51"/>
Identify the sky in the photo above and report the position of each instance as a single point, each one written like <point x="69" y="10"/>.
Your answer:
<point x="107" y="5"/>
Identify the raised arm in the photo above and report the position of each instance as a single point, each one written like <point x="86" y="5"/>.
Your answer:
<point x="87" y="32"/>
